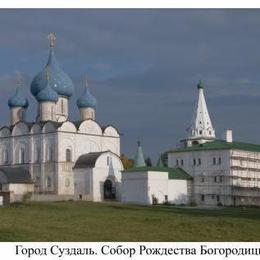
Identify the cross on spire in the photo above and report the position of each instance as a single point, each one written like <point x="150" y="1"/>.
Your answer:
<point x="19" y="79"/>
<point x="52" y="39"/>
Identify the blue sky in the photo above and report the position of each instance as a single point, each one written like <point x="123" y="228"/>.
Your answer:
<point x="143" y="67"/>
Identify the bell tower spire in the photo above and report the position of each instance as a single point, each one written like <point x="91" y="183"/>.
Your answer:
<point x="201" y="129"/>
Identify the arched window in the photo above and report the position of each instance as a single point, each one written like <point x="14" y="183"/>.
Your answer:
<point x="50" y="155"/>
<point x="37" y="154"/>
<point x="68" y="155"/>
<point x="5" y="157"/>
<point x="22" y="156"/>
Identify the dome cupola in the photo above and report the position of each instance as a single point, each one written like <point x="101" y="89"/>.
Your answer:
<point x="87" y="99"/>
<point x="60" y="81"/>
<point x="18" y="100"/>
<point x="47" y="94"/>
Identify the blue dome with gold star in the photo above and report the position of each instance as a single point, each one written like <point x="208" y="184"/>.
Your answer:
<point x="18" y="100"/>
<point x="60" y="81"/>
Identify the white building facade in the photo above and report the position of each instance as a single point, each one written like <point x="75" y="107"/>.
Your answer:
<point x="50" y="146"/>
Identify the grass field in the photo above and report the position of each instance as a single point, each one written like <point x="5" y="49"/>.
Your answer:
<point x="86" y="221"/>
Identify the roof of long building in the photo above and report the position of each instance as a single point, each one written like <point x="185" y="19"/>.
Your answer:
<point x="219" y="145"/>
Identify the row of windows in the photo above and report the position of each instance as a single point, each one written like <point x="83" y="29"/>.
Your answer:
<point x="213" y="197"/>
<point x="216" y="179"/>
<point x="49" y="156"/>
<point x="198" y="161"/>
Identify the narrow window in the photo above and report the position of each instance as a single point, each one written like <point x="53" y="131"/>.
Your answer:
<point x="48" y="182"/>
<point x="6" y="159"/>
<point x="214" y="160"/>
<point x="202" y="179"/>
<point x="68" y="155"/>
<point x="199" y="161"/>
<point x="194" y="161"/>
<point x="218" y="199"/>
<point x="62" y="109"/>
<point x="200" y="132"/>
<point x="202" y="197"/>
<point x="177" y="162"/>
<point x="50" y="155"/>
<point x="215" y="179"/>
<point x="22" y="156"/>
<point x="182" y="162"/>
<point x="219" y="160"/>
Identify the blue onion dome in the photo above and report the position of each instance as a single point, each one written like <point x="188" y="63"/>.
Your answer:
<point x="18" y="100"/>
<point x="60" y="81"/>
<point x="47" y="94"/>
<point x="87" y="99"/>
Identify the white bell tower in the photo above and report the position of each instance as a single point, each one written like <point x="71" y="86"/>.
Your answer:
<point x="201" y="129"/>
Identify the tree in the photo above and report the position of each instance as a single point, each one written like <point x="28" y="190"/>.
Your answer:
<point x="148" y="162"/>
<point x="127" y="163"/>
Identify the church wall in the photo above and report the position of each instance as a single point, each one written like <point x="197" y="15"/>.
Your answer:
<point x="83" y="183"/>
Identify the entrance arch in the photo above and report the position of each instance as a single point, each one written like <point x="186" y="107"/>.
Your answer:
<point x="109" y="190"/>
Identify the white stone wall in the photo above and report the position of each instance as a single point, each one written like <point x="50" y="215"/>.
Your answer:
<point x="178" y="192"/>
<point x="17" y="190"/>
<point x="141" y="187"/>
<point x="135" y="187"/>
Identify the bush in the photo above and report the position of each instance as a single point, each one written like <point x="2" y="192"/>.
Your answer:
<point x="26" y="196"/>
<point x="192" y="204"/>
<point x="154" y="200"/>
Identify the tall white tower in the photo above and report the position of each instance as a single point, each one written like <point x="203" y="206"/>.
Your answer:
<point x="201" y="129"/>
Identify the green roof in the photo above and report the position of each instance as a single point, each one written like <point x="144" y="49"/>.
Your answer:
<point x="139" y="158"/>
<point x="173" y="173"/>
<point x="219" y="145"/>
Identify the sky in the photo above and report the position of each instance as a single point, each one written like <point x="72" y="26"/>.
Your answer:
<point x="143" y="67"/>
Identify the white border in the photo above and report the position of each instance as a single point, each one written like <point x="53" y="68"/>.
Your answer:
<point x="130" y="4"/>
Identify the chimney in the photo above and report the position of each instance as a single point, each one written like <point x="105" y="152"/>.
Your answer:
<point x="229" y="136"/>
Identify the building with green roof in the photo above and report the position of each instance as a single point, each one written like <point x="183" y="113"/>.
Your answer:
<point x="156" y="184"/>
<point x="224" y="172"/>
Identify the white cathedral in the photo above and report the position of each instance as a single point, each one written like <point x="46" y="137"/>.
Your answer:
<point x="62" y="157"/>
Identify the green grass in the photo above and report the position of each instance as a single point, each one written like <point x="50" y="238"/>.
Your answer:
<point x="87" y="221"/>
